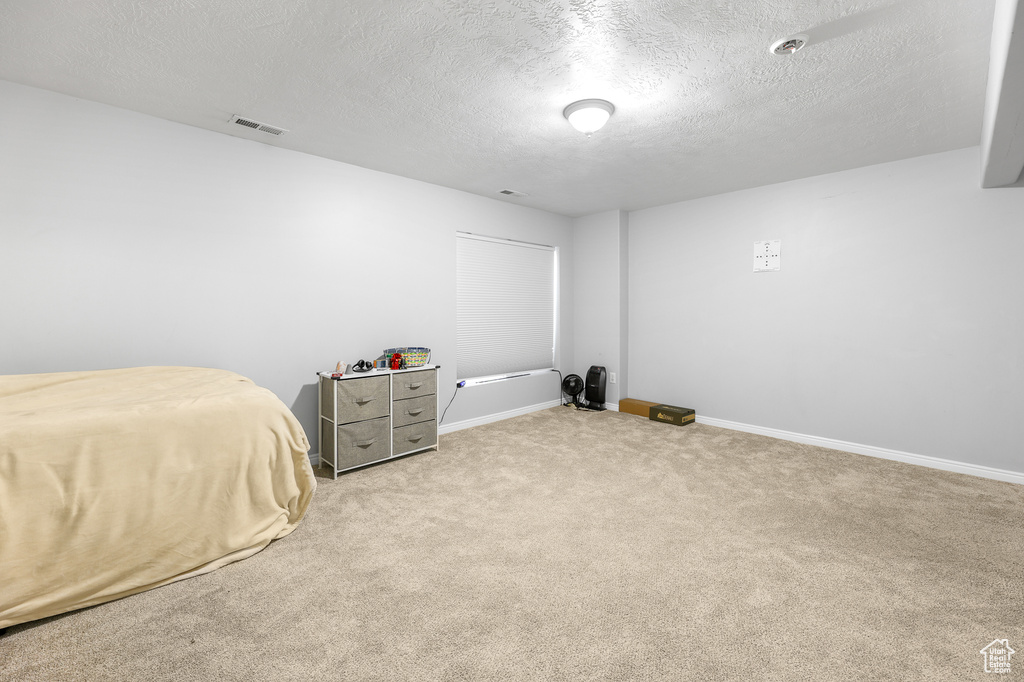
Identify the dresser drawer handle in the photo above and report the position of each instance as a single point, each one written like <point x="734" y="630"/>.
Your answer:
<point x="414" y="386"/>
<point x="363" y="443"/>
<point x="413" y="413"/>
<point x="413" y="439"/>
<point x="363" y="401"/>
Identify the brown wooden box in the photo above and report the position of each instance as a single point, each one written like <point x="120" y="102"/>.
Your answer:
<point x="641" y="408"/>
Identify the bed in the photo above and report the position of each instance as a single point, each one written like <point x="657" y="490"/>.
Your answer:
<point x="117" y="481"/>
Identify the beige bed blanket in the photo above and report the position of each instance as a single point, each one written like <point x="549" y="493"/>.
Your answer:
<point x="114" y="482"/>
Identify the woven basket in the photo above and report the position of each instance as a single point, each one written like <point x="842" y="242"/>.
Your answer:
<point x="414" y="356"/>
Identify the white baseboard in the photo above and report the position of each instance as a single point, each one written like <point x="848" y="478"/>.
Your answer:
<point x="871" y="451"/>
<point x="498" y="416"/>
<point x="314" y="458"/>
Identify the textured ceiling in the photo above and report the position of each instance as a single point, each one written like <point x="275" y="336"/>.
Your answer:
<point x="470" y="94"/>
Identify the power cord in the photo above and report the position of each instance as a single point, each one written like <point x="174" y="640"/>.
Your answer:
<point x="457" y="387"/>
<point x="561" y="399"/>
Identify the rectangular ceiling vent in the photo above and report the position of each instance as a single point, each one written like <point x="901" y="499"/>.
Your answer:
<point x="512" y="193"/>
<point x="256" y="125"/>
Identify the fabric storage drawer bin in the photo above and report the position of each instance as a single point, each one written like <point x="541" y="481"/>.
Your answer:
<point x="412" y="384"/>
<point x="361" y="399"/>
<point x="327" y="435"/>
<point x="362" y="442"/>
<point x="415" y="410"/>
<point x="414" y="437"/>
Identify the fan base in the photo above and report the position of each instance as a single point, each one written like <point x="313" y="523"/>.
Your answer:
<point x="584" y="407"/>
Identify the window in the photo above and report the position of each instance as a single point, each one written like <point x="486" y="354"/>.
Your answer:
<point x="505" y="306"/>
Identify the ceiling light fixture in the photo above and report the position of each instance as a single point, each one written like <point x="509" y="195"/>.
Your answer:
<point x="788" y="45"/>
<point x="589" y="115"/>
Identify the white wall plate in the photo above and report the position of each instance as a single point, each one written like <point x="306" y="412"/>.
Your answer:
<point x="768" y="255"/>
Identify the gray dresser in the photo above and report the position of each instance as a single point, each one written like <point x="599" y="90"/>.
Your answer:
<point x="367" y="418"/>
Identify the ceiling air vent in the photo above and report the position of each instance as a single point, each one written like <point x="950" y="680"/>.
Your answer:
<point x="256" y="125"/>
<point x="512" y="193"/>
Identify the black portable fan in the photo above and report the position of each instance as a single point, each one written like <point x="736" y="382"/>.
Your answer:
<point x="572" y="386"/>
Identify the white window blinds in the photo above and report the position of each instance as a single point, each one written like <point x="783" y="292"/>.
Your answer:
<point x="506" y="306"/>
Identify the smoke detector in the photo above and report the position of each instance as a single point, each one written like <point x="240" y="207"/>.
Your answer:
<point x="256" y="125"/>
<point x="789" y="45"/>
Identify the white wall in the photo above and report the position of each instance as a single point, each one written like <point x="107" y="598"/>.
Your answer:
<point x="623" y="305"/>
<point x="896" y="321"/>
<point x="599" y="290"/>
<point x="128" y="240"/>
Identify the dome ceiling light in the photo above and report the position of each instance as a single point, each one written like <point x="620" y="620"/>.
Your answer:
<point x="589" y="115"/>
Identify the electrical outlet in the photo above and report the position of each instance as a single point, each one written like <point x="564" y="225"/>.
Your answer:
<point x="767" y="256"/>
<point x="611" y="377"/>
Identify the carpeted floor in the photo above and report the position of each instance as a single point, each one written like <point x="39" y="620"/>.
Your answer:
<point x="572" y="545"/>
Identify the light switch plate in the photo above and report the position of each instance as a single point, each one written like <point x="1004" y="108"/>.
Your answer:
<point x="768" y="256"/>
